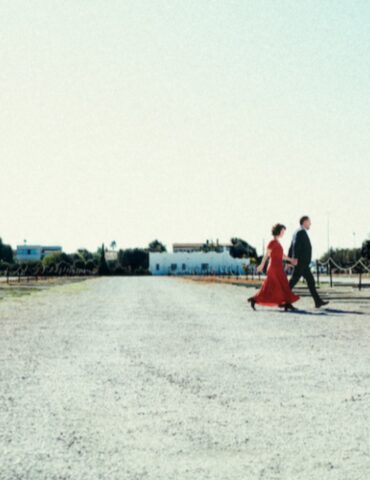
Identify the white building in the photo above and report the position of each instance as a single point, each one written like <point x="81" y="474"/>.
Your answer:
<point x="195" y="263"/>
<point x="35" y="252"/>
<point x="111" y="255"/>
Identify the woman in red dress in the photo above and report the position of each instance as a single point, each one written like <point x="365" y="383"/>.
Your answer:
<point x="275" y="289"/>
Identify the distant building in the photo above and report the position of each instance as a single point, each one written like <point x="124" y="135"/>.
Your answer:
<point x="26" y="253"/>
<point x="195" y="263"/>
<point x="198" y="247"/>
<point x="111" y="255"/>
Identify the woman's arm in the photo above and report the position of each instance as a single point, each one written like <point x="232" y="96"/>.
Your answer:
<point x="261" y="266"/>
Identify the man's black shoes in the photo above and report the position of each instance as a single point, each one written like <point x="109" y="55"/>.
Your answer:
<point x="321" y="303"/>
<point x="287" y="306"/>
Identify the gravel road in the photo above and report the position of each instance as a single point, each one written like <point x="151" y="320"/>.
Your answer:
<point x="169" y="379"/>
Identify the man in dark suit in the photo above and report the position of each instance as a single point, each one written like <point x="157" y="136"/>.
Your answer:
<point x="301" y="250"/>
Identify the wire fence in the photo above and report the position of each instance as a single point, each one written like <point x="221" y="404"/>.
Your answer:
<point x="35" y="272"/>
<point x="358" y="274"/>
<point x="360" y="268"/>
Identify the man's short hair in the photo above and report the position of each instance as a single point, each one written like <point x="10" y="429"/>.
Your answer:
<point x="303" y="219"/>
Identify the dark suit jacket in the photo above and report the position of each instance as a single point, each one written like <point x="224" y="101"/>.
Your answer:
<point x="301" y="248"/>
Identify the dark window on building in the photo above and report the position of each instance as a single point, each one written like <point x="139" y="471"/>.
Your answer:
<point x="157" y="266"/>
<point x="183" y="266"/>
<point x="173" y="266"/>
<point x="204" y="266"/>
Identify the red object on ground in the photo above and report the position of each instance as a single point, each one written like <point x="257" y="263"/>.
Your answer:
<point x="275" y="289"/>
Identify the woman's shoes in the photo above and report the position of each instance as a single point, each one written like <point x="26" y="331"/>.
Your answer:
<point x="252" y="301"/>
<point x="286" y="306"/>
<point x="289" y="306"/>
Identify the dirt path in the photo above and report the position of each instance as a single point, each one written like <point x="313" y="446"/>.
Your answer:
<point x="161" y="378"/>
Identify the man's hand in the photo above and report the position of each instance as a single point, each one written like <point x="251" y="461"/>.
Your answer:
<point x="294" y="261"/>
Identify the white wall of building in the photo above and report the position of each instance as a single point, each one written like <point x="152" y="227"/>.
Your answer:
<point x="195" y="263"/>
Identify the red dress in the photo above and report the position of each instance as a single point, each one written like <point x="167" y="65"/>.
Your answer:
<point x="275" y="290"/>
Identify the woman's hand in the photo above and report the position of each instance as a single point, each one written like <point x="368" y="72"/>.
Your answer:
<point x="294" y="261"/>
<point x="260" y="268"/>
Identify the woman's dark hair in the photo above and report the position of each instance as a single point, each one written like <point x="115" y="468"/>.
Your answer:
<point x="303" y="219"/>
<point x="277" y="228"/>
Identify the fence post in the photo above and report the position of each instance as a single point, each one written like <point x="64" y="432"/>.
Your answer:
<point x="360" y="280"/>
<point x="331" y="274"/>
<point x="318" y="272"/>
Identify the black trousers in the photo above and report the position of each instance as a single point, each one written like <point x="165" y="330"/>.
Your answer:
<point x="305" y="272"/>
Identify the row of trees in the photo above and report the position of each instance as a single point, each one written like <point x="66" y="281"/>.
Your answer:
<point x="129" y="262"/>
<point x="342" y="256"/>
<point x="80" y="263"/>
<point x="132" y="261"/>
<point x="135" y="261"/>
<point x="239" y="248"/>
<point x="6" y="252"/>
<point x="348" y="256"/>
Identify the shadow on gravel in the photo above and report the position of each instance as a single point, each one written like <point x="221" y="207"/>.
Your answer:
<point x="323" y="313"/>
<point x="304" y="312"/>
<point x="337" y="310"/>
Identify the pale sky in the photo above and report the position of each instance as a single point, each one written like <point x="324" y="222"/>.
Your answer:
<point x="183" y="120"/>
